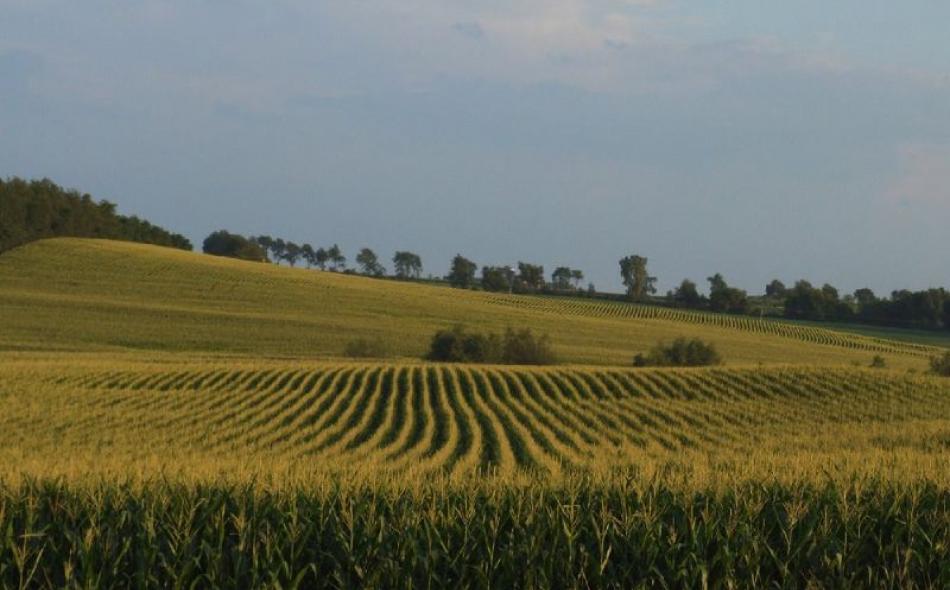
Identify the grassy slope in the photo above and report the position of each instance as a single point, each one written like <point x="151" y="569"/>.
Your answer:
<point x="89" y="295"/>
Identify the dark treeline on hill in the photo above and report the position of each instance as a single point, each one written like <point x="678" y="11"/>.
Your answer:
<point x="36" y="209"/>
<point x="928" y="309"/>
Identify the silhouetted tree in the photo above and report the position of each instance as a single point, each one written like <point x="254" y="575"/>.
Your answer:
<point x="530" y="276"/>
<point x="370" y="263"/>
<point x="37" y="209"/>
<point x="308" y="254"/>
<point x="639" y="283"/>
<point x="561" y="278"/>
<point x="407" y="265"/>
<point x="336" y="258"/>
<point x="495" y="278"/>
<point x="224" y="243"/>
<point x="462" y="274"/>
<point x="723" y="298"/>
<point x="321" y="257"/>
<point x="775" y="289"/>
<point x="577" y="276"/>
<point x="687" y="295"/>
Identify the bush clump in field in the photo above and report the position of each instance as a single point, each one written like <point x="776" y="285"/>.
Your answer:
<point x="514" y="347"/>
<point x="878" y="362"/>
<point x="363" y="348"/>
<point x="940" y="365"/>
<point x="682" y="352"/>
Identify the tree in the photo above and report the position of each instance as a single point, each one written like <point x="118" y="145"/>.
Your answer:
<point x="307" y="253"/>
<point x="224" y="243"/>
<point x="530" y="276"/>
<point x="561" y="278"/>
<point x="462" y="274"/>
<point x="37" y="209"/>
<point x="265" y="242"/>
<point x="639" y="283"/>
<point x="687" y="295"/>
<point x="292" y="253"/>
<point x="336" y="258"/>
<point x="577" y="276"/>
<point x="277" y="248"/>
<point x="865" y="296"/>
<point x="775" y="289"/>
<point x="723" y="298"/>
<point x="407" y="265"/>
<point x="321" y="257"/>
<point x="495" y="278"/>
<point x="369" y="263"/>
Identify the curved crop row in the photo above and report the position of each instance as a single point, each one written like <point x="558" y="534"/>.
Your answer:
<point x="461" y="420"/>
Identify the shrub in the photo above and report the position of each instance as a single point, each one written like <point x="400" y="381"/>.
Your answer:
<point x="458" y="345"/>
<point x="878" y="362"/>
<point x="681" y="353"/>
<point x="516" y="347"/>
<point x="365" y="348"/>
<point x="524" y="348"/>
<point x="940" y="365"/>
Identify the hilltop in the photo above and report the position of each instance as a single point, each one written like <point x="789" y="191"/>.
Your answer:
<point x="84" y="295"/>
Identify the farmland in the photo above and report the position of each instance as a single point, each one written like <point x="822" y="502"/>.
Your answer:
<point x="172" y="419"/>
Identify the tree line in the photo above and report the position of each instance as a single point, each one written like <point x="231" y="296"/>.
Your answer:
<point x="35" y="209"/>
<point x="406" y="265"/>
<point x="928" y="309"/>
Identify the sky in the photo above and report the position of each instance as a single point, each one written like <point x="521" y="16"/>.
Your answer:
<point x="760" y="140"/>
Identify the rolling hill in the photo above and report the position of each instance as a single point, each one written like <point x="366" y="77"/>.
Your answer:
<point x="90" y="296"/>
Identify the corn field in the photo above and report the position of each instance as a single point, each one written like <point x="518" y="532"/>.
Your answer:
<point x="165" y="473"/>
<point x="628" y="534"/>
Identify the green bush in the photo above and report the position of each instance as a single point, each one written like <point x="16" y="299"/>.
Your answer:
<point x="940" y="365"/>
<point x="365" y="348"/>
<point x="878" y="362"/>
<point x="515" y="347"/>
<point x="682" y="352"/>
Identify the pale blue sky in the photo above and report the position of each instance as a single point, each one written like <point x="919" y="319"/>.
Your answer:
<point x="757" y="139"/>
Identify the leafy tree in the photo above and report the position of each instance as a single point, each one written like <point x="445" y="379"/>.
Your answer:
<point x="224" y="243"/>
<point x="321" y="257"/>
<point x="561" y="278"/>
<point x="639" y="283"/>
<point x="723" y="298"/>
<point x="369" y="263"/>
<point x="407" y="265"/>
<point x="292" y="253"/>
<point x="462" y="274"/>
<point x="865" y="296"/>
<point x="577" y="276"/>
<point x="336" y="258"/>
<point x="775" y="289"/>
<point x="681" y="353"/>
<point x="496" y="278"/>
<point x="278" y="248"/>
<point x="307" y="253"/>
<point x="37" y="209"/>
<point x="265" y="242"/>
<point x="806" y="302"/>
<point x="687" y="295"/>
<point x="530" y="276"/>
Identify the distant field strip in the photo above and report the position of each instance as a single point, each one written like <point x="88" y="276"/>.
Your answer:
<point x="457" y="420"/>
<point x="616" y="310"/>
